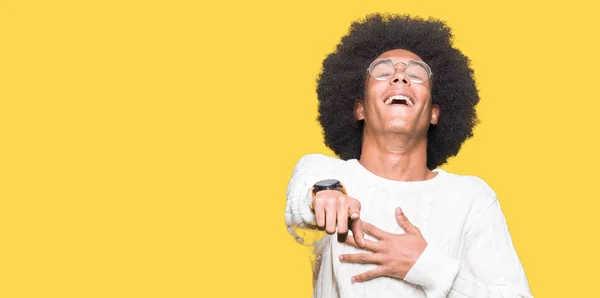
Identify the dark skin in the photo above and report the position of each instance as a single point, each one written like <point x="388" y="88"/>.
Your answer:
<point x="394" y="147"/>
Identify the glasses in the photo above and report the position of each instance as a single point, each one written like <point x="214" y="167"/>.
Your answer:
<point x="415" y="71"/>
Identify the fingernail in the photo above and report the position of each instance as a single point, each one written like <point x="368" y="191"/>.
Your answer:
<point x="398" y="211"/>
<point x="354" y="216"/>
<point x="341" y="257"/>
<point x="354" y="279"/>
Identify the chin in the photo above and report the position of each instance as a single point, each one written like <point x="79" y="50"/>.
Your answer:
<point x="398" y="125"/>
<point x="396" y="129"/>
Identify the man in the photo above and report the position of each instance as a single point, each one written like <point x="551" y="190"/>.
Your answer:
<point x="396" y="100"/>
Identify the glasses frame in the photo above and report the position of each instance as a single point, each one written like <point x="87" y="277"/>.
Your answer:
<point x="423" y="64"/>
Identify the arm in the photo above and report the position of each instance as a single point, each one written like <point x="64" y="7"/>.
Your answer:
<point x="334" y="211"/>
<point x="489" y="267"/>
<point x="299" y="219"/>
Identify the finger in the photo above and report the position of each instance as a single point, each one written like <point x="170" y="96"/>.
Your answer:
<point x="403" y="221"/>
<point x="379" y="271"/>
<point x="363" y="258"/>
<point x="354" y="209"/>
<point x="370" y="245"/>
<point x="319" y="210"/>
<point x="342" y="237"/>
<point x="374" y="231"/>
<point x="357" y="232"/>
<point x="330" y="218"/>
<point x="342" y="215"/>
<point x="319" y="207"/>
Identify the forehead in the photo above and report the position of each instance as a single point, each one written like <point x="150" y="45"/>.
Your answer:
<point x="400" y="55"/>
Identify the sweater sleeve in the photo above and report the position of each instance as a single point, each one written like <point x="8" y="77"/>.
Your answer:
<point x="489" y="266"/>
<point x="299" y="219"/>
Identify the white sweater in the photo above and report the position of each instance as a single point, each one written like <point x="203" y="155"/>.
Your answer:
<point x="469" y="253"/>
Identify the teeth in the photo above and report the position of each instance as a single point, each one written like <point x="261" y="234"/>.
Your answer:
<point x="399" y="97"/>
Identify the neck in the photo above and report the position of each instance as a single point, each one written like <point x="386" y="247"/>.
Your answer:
<point x="396" y="158"/>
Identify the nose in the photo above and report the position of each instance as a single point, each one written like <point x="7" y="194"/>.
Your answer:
<point x="397" y="80"/>
<point x="399" y="76"/>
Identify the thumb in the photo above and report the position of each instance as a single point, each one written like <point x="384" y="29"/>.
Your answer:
<point x="403" y="221"/>
<point x="357" y="233"/>
<point x="354" y="209"/>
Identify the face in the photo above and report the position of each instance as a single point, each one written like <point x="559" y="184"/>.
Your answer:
<point x="397" y="105"/>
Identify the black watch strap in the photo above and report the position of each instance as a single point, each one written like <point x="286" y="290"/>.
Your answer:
<point x="329" y="184"/>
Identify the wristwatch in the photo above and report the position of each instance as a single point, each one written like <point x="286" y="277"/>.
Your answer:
<point x="331" y="184"/>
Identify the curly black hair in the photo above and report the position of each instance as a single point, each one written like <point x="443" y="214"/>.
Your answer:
<point x="342" y="82"/>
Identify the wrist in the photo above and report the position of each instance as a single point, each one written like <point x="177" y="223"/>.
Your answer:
<point x="326" y="185"/>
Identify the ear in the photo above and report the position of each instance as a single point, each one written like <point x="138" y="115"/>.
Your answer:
<point x="359" y="109"/>
<point x="435" y="114"/>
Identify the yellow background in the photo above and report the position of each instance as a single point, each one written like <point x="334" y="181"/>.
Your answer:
<point x="146" y="146"/>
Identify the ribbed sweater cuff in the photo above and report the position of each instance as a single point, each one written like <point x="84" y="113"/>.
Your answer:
<point x="434" y="271"/>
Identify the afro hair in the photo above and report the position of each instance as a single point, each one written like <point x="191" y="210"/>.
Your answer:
<point x="342" y="82"/>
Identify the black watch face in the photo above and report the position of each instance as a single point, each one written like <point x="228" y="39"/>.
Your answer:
<point x="327" y="183"/>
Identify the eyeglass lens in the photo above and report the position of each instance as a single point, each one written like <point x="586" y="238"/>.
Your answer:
<point x="385" y="69"/>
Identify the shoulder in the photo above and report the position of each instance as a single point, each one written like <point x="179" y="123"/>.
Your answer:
<point x="472" y="188"/>
<point x="319" y="160"/>
<point x="312" y="168"/>
<point x="318" y="165"/>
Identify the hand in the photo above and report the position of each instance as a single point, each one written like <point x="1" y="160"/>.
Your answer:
<point x="332" y="208"/>
<point x="394" y="254"/>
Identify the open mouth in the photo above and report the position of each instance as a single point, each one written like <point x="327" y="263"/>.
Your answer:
<point x="398" y="99"/>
